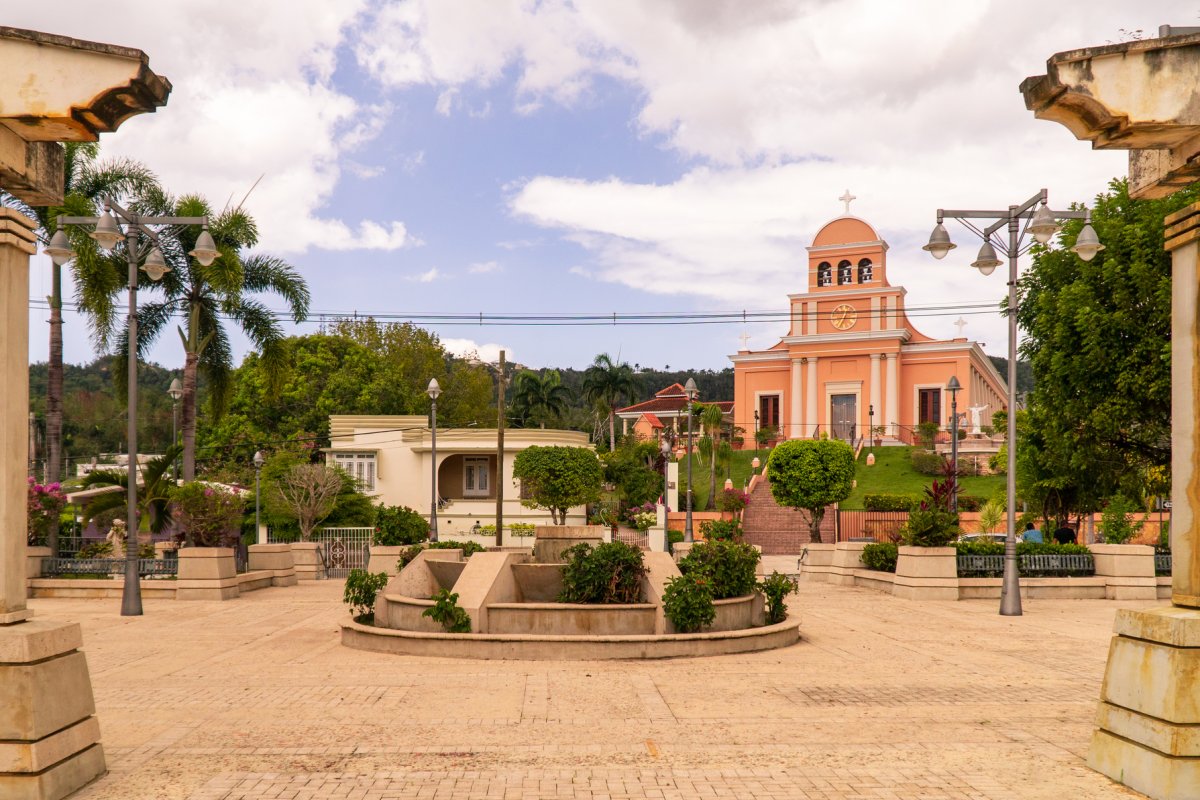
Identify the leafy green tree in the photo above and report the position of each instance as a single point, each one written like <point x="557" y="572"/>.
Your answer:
<point x="711" y="417"/>
<point x="605" y="383"/>
<point x="1097" y="335"/>
<point x="205" y="297"/>
<point x="558" y="478"/>
<point x="633" y="469"/>
<point x="539" y="397"/>
<point x="97" y="276"/>
<point x="154" y="495"/>
<point x="810" y="474"/>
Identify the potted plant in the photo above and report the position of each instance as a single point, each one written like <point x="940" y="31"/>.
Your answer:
<point x="927" y="567"/>
<point x="396" y="527"/>
<point x="877" y="432"/>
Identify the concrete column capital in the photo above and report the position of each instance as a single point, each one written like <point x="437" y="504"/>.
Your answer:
<point x="17" y="230"/>
<point x="877" y="356"/>
<point x="1182" y="227"/>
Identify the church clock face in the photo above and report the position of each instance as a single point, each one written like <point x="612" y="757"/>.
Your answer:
<point x="844" y="317"/>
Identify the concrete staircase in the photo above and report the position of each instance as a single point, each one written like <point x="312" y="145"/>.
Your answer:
<point x="778" y="530"/>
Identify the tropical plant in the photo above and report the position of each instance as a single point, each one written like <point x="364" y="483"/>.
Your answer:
<point x="537" y="398"/>
<point x="721" y="529"/>
<point x="605" y="383"/>
<point x="558" y="478"/>
<point x="991" y="515"/>
<point x="711" y="417"/>
<point x="775" y="589"/>
<point x="610" y="572"/>
<point x="730" y="566"/>
<point x="733" y="501"/>
<point x="765" y="434"/>
<point x="97" y="276"/>
<point x="447" y="612"/>
<point x="398" y="525"/>
<point x="153" y="497"/>
<point x="811" y="474"/>
<point x="361" y="589"/>
<point x="309" y="492"/>
<point x="688" y="602"/>
<point x="205" y="297"/>
<point x="927" y="432"/>
<point x="208" y="515"/>
<point x="932" y="523"/>
<point x="1117" y="520"/>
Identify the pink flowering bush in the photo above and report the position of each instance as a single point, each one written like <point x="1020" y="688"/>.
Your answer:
<point x="43" y="505"/>
<point x="207" y="516"/>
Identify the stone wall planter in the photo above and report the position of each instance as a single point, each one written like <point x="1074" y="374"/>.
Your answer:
<point x="847" y="557"/>
<point x="818" y="566"/>
<point x="551" y="540"/>
<point x="307" y="560"/>
<point x="1128" y="570"/>
<point x="33" y="560"/>
<point x="275" y="559"/>
<point x="206" y="573"/>
<point x="384" y="558"/>
<point x="926" y="573"/>
<point x="738" y="613"/>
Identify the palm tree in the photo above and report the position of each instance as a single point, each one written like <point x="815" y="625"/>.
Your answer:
<point x="605" y="382"/>
<point x="537" y="398"/>
<point x="711" y="418"/>
<point x="153" y="496"/>
<point x="97" y="276"/>
<point x="205" y="297"/>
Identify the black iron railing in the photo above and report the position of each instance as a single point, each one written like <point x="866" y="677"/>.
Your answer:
<point x="1162" y="562"/>
<point x="1070" y="564"/>
<point x="147" y="567"/>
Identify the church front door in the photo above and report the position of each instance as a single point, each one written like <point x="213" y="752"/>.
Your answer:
<point x="843" y="414"/>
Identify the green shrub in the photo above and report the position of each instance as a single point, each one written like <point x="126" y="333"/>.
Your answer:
<point x="733" y="500"/>
<point x="1164" y="537"/>
<point x="610" y="572"/>
<point x="469" y="548"/>
<point x="776" y="588"/>
<point x="881" y="557"/>
<point x="522" y="529"/>
<point x="688" y="602"/>
<point x="407" y="555"/>
<point x="208" y="515"/>
<point x="1117" y="520"/>
<point x="447" y="611"/>
<point x="397" y="525"/>
<point x="102" y="549"/>
<point x="729" y="566"/>
<point x="998" y="462"/>
<point x="889" y="502"/>
<point x="932" y="523"/>
<point x="978" y="547"/>
<point x="361" y="588"/>
<point x="927" y="463"/>
<point x="674" y="537"/>
<point x="721" y="530"/>
<point x="927" y="432"/>
<point x="969" y="502"/>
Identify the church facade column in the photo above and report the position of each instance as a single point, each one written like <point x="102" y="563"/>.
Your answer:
<point x="810" y="409"/>
<point x="876" y="392"/>
<point x="892" y="407"/>
<point x="793" y="430"/>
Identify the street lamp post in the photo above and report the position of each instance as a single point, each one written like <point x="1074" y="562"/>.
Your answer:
<point x="756" y="433"/>
<point x="176" y="392"/>
<point x="871" y="423"/>
<point x="691" y="392"/>
<point x="664" y="447"/>
<point x="953" y="387"/>
<point x="433" y="391"/>
<point x="1043" y="224"/>
<point x="259" y="460"/>
<point x="107" y="234"/>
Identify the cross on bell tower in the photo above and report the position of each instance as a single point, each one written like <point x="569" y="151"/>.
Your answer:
<point x="846" y="198"/>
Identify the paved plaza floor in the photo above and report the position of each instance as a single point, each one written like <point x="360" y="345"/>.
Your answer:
<point x="883" y="698"/>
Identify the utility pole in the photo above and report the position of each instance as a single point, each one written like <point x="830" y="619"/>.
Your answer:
<point x="500" y="455"/>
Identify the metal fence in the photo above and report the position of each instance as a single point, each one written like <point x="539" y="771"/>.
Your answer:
<point x="873" y="526"/>
<point x="1162" y="562"/>
<point x="344" y="549"/>
<point x="147" y="567"/>
<point x="1071" y="564"/>
<point x="633" y="537"/>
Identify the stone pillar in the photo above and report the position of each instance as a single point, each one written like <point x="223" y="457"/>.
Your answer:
<point x="892" y="407"/>
<point x="1149" y="707"/>
<point x="49" y="736"/>
<point x="794" y="427"/>
<point x="810" y="403"/>
<point x="876" y="393"/>
<point x="876" y="322"/>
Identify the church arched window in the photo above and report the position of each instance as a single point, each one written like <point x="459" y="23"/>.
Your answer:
<point x="845" y="273"/>
<point x="824" y="274"/>
<point x="865" y="270"/>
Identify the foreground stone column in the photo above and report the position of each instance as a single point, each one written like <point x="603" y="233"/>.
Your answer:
<point x="1148" y="734"/>
<point x="49" y="736"/>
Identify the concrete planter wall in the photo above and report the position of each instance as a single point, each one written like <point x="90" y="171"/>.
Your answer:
<point x="33" y="560"/>
<point x="818" y="566"/>
<point x="275" y="559"/>
<point x="926" y="573"/>
<point x="384" y="558"/>
<point x="561" y="619"/>
<point x="1128" y="570"/>
<point x="550" y="541"/>
<point x="847" y="557"/>
<point x="307" y="561"/>
<point x="206" y="573"/>
<point x="738" y="613"/>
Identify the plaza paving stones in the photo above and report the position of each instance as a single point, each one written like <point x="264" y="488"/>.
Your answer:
<point x="882" y="699"/>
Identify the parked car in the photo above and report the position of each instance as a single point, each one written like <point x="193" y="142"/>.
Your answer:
<point x="985" y="537"/>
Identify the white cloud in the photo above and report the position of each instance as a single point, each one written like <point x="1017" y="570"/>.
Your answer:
<point x="469" y="348"/>
<point x="253" y="96"/>
<point x="484" y="268"/>
<point x="428" y="276"/>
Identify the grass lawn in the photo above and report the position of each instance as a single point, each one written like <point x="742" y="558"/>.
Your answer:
<point x="893" y="474"/>
<point x="741" y="470"/>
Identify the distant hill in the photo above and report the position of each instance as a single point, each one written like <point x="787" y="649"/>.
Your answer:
<point x="1024" y="373"/>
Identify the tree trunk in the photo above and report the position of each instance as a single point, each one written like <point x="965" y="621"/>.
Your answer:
<point x="54" y="400"/>
<point x="712" y="479"/>
<point x="814" y="525"/>
<point x="189" y="415"/>
<point x="612" y="430"/>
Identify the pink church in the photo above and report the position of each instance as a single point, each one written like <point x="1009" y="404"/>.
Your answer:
<point x="852" y="359"/>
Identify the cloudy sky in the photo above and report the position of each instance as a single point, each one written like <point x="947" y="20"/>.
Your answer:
<point x="547" y="156"/>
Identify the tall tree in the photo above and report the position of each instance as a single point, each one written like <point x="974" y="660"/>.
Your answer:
<point x="1098" y="340"/>
<point x="97" y="277"/>
<point x="538" y="398"/>
<point x="712" y="418"/>
<point x="205" y="297"/>
<point x="605" y="383"/>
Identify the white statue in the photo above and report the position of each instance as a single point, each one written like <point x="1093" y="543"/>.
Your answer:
<point x="116" y="537"/>
<point x="976" y="412"/>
